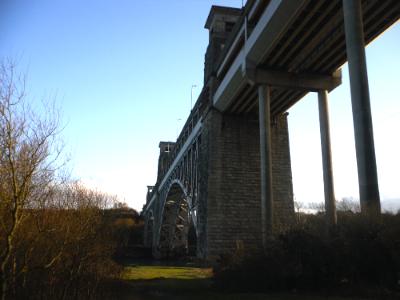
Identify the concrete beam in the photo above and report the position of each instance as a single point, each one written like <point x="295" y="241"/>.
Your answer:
<point x="264" y="100"/>
<point x="231" y="84"/>
<point x="363" y="131"/>
<point x="273" y="21"/>
<point x="257" y="4"/>
<point x="309" y="82"/>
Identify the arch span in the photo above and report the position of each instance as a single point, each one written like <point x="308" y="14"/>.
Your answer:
<point x="176" y="218"/>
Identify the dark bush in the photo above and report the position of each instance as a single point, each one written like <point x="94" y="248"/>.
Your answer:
<point x="356" y="252"/>
<point x="126" y="231"/>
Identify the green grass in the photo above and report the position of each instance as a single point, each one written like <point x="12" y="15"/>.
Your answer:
<point x="165" y="272"/>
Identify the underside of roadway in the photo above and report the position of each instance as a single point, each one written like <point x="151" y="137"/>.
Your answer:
<point x="304" y="37"/>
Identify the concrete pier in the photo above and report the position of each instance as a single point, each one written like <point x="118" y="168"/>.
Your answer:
<point x="264" y="102"/>
<point x="363" y="131"/>
<point x="329" y="191"/>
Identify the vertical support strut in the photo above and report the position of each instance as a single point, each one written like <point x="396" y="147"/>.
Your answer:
<point x="363" y="131"/>
<point x="329" y="190"/>
<point x="266" y="162"/>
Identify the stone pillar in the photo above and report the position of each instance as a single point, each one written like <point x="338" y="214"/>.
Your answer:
<point x="265" y="162"/>
<point x="330" y="205"/>
<point x="363" y="131"/>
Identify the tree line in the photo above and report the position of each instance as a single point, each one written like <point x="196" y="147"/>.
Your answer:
<point x="56" y="241"/>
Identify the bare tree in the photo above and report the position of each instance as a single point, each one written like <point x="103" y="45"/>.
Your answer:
<point x="348" y="205"/>
<point x="318" y="207"/>
<point x="298" y="206"/>
<point x="54" y="243"/>
<point x="27" y="164"/>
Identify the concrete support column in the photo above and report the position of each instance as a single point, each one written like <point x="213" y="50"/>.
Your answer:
<point x="330" y="205"/>
<point x="363" y="131"/>
<point x="265" y="162"/>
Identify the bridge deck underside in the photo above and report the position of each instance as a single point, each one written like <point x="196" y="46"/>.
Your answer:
<point x="314" y="43"/>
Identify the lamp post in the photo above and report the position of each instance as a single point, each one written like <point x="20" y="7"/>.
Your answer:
<point x="191" y="96"/>
<point x="177" y="127"/>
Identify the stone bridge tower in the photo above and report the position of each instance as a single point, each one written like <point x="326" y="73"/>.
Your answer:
<point x="213" y="185"/>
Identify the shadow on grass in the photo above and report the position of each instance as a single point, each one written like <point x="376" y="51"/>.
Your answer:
<point x="161" y="288"/>
<point x="150" y="282"/>
<point x="201" y="289"/>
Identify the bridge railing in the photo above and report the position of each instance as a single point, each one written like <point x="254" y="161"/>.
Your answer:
<point x="194" y="117"/>
<point x="187" y="129"/>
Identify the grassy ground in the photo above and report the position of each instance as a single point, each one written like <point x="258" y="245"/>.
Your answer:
<point x="153" y="282"/>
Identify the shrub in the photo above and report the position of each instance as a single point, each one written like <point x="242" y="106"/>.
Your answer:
<point x="354" y="253"/>
<point x="62" y="252"/>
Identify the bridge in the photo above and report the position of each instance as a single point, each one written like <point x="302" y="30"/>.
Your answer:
<point x="226" y="182"/>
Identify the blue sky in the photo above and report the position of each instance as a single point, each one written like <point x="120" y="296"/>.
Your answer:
<point x="122" y="72"/>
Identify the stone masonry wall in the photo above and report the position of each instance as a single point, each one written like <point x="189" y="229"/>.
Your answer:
<point x="231" y="181"/>
<point x="282" y="174"/>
